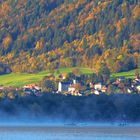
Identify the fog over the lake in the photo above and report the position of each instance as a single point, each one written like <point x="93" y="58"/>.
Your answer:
<point x="59" y="108"/>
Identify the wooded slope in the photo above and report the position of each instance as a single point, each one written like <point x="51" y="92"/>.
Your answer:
<point x="41" y="34"/>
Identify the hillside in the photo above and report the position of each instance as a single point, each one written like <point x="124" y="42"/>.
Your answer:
<point x="47" y="34"/>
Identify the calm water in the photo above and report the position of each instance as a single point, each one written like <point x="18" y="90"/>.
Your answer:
<point x="69" y="133"/>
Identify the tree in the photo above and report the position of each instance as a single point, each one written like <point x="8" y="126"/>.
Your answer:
<point x="104" y="72"/>
<point x="94" y="78"/>
<point x="71" y="76"/>
<point x="137" y="73"/>
<point x="39" y="45"/>
<point x="92" y="51"/>
<point x="110" y="89"/>
<point x="117" y="66"/>
<point x="90" y="27"/>
<point x="77" y="86"/>
<point x="84" y="43"/>
<point x="48" y="85"/>
<point x="4" y="69"/>
<point x="76" y="72"/>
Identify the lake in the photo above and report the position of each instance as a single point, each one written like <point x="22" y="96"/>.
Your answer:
<point x="69" y="132"/>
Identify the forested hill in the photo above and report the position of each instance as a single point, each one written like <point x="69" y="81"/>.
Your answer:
<point x="40" y="34"/>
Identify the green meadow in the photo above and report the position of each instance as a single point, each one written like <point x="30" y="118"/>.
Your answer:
<point x="129" y="74"/>
<point x="21" y="79"/>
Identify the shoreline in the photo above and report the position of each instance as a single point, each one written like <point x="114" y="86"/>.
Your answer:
<point x="77" y="125"/>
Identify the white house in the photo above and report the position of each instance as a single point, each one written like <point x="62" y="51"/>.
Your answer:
<point x="71" y="89"/>
<point x="98" y="86"/>
<point x="66" y="86"/>
<point x="96" y="92"/>
<point x="138" y="88"/>
<point x="129" y="90"/>
<point x="63" y="86"/>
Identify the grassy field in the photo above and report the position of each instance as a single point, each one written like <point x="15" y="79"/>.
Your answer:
<point x="129" y="74"/>
<point x="21" y="79"/>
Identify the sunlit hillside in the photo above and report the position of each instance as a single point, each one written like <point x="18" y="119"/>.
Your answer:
<point x="47" y="34"/>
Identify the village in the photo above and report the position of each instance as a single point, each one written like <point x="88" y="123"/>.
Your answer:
<point x="74" y="86"/>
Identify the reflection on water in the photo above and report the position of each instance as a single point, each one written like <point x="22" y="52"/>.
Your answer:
<point x="69" y="133"/>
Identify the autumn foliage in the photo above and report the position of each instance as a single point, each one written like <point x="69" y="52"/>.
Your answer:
<point x="47" y="34"/>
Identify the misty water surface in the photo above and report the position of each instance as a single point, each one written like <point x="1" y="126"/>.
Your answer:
<point x="69" y="133"/>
